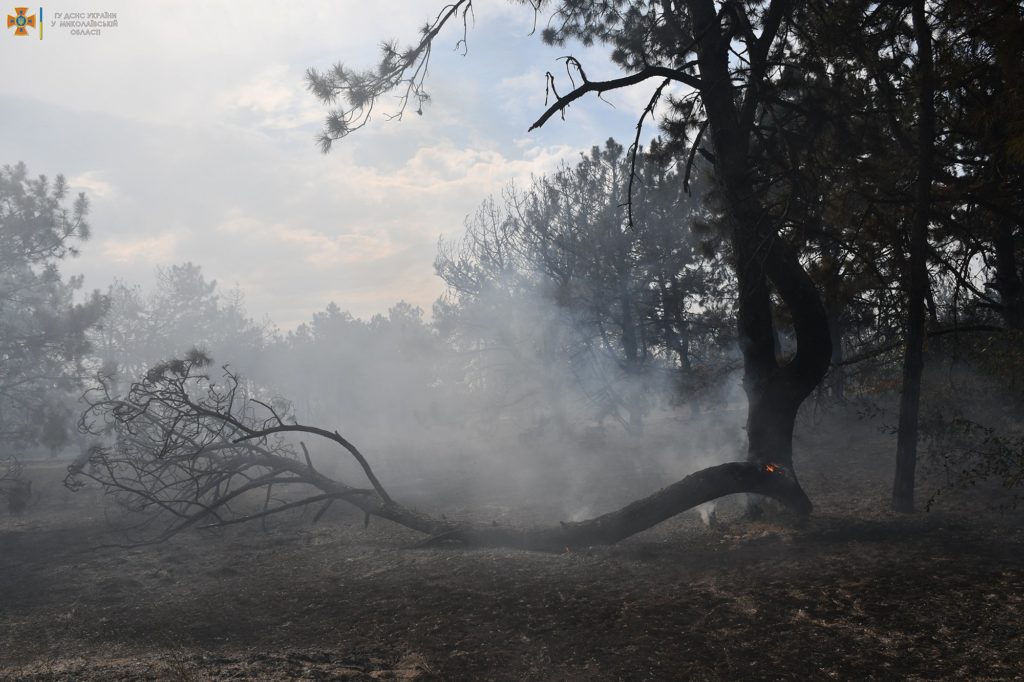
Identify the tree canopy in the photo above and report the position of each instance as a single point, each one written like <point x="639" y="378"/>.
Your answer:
<point x="43" y="326"/>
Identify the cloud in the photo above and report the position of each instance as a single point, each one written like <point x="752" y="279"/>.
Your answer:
<point x="267" y="93"/>
<point x="448" y="172"/>
<point x="325" y="251"/>
<point x="319" y="248"/>
<point x="525" y="92"/>
<point x="360" y="235"/>
<point x="273" y="98"/>
<point x="155" y="250"/>
<point x="93" y="184"/>
<point x="200" y="146"/>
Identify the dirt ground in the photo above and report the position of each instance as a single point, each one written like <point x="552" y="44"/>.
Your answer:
<point x="857" y="594"/>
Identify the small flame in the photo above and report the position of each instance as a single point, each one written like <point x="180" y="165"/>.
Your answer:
<point x="772" y="468"/>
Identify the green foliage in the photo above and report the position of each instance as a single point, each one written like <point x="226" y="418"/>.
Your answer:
<point x="971" y="419"/>
<point x="387" y="375"/>
<point x="352" y="94"/>
<point x="553" y="288"/>
<point x="43" y="329"/>
<point x="184" y="311"/>
<point x="972" y="453"/>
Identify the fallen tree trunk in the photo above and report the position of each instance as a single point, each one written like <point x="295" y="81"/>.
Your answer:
<point x="697" y="488"/>
<point x="189" y="450"/>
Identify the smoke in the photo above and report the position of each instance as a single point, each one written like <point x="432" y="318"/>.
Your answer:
<point x="573" y="362"/>
<point x="508" y="398"/>
<point x="518" y="403"/>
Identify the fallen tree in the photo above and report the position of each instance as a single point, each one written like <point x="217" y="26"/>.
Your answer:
<point x="186" y="450"/>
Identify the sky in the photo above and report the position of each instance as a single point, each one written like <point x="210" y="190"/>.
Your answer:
<point x="189" y="128"/>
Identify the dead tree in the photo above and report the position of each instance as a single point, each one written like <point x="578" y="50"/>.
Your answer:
<point x="186" y="450"/>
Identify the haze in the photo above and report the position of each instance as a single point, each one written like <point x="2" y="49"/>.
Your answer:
<point x="192" y="133"/>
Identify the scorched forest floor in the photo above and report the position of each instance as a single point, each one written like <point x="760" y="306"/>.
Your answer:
<point x="859" y="593"/>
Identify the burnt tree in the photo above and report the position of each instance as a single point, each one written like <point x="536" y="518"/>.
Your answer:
<point x="184" y="449"/>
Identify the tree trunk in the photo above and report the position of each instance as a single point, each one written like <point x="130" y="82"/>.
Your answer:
<point x="679" y="342"/>
<point x="835" y="327"/>
<point x="835" y="307"/>
<point x="1005" y="170"/>
<point x="1008" y="281"/>
<point x="632" y="352"/>
<point x="771" y="418"/>
<point x="703" y="486"/>
<point x="708" y="484"/>
<point x="917" y="288"/>
<point x="774" y="392"/>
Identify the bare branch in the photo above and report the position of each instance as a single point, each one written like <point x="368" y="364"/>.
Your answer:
<point x="635" y="148"/>
<point x="267" y="512"/>
<point x="336" y="437"/>
<point x="605" y="86"/>
<point x="895" y="345"/>
<point x="693" y="151"/>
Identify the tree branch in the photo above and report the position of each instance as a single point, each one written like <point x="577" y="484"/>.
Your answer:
<point x="324" y="433"/>
<point x="588" y="86"/>
<point x="882" y="350"/>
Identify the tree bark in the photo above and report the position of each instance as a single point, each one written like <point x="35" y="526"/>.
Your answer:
<point x="917" y="286"/>
<point x="776" y="482"/>
<point x="703" y="486"/>
<point x="774" y="392"/>
<point x="835" y="324"/>
<point x="1005" y="170"/>
<point x="632" y="351"/>
<point x="1008" y="282"/>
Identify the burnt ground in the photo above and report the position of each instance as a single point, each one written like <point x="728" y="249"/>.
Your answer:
<point x="857" y="594"/>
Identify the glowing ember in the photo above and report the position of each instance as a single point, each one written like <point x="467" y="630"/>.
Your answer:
<point x="772" y="468"/>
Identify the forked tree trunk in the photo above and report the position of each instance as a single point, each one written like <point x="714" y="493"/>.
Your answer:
<point x="770" y="423"/>
<point x="762" y="256"/>
<point x="774" y="392"/>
